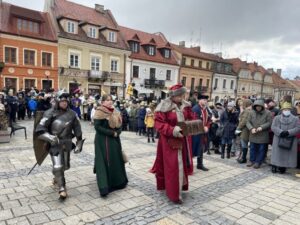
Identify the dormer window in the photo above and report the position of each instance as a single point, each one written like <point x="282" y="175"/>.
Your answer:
<point x="92" y="32"/>
<point x="28" y="26"/>
<point x="167" y="53"/>
<point x="151" y="50"/>
<point x="134" y="46"/>
<point x="112" y="36"/>
<point x="71" y="27"/>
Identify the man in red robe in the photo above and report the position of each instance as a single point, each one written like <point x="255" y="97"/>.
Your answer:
<point x="173" y="161"/>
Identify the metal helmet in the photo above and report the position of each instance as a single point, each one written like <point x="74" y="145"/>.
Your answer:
<point x="62" y="95"/>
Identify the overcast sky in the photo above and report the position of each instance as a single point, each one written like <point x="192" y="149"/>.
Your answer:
<point x="266" y="31"/>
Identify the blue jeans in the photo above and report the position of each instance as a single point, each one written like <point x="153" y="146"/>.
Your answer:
<point x="257" y="152"/>
<point x="244" y="143"/>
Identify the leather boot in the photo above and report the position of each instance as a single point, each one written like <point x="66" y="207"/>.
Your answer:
<point x="222" y="151"/>
<point x="243" y="159"/>
<point x="228" y="151"/>
<point x="148" y="140"/>
<point x="200" y="165"/>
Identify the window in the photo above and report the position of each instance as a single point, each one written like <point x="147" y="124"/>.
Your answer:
<point x="168" y="75"/>
<point x="192" y="83"/>
<point x="10" y="55"/>
<point x="152" y="73"/>
<point x="46" y="59"/>
<point x="207" y="83"/>
<point x="183" y="81"/>
<point x="224" y="83"/>
<point x="92" y="32"/>
<point x="200" y="64"/>
<point x="167" y="53"/>
<point x="29" y="83"/>
<point x="27" y="26"/>
<point x="231" y="84"/>
<point x="29" y="57"/>
<point x="192" y="62"/>
<point x="74" y="60"/>
<point x="71" y="27"/>
<point x="151" y="50"/>
<point x="114" y="65"/>
<point x="135" y="73"/>
<point x="134" y="46"/>
<point x="95" y="63"/>
<point x="183" y="61"/>
<point x="200" y="82"/>
<point x="112" y="36"/>
<point x="207" y="65"/>
<point x="216" y="83"/>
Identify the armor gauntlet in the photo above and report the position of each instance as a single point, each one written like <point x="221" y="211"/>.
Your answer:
<point x="53" y="140"/>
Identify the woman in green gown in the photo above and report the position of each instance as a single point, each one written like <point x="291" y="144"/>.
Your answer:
<point x="109" y="164"/>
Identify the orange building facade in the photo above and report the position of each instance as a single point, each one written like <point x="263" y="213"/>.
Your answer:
<point x="28" y="50"/>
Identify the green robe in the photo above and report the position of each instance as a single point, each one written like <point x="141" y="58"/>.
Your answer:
<point x="109" y="163"/>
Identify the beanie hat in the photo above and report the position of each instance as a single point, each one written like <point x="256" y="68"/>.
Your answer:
<point x="247" y="103"/>
<point x="231" y="104"/>
<point x="286" y="105"/>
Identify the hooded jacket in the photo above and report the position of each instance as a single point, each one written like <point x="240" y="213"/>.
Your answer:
<point x="261" y="119"/>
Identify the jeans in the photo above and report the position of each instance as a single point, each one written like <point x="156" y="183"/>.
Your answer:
<point x="257" y="152"/>
<point x="244" y="144"/>
<point x="227" y="141"/>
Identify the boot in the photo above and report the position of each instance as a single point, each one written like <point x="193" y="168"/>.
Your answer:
<point x="153" y="140"/>
<point x="148" y="140"/>
<point x="222" y="151"/>
<point x="243" y="159"/>
<point x="228" y="151"/>
<point x="208" y="152"/>
<point x="274" y="169"/>
<point x="200" y="164"/>
<point x="217" y="151"/>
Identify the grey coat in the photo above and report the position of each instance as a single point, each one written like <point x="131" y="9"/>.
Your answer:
<point x="261" y="119"/>
<point x="283" y="157"/>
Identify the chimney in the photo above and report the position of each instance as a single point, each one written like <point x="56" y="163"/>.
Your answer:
<point x="197" y="48"/>
<point x="255" y="63"/>
<point x="279" y="71"/>
<point x="219" y="54"/>
<point x="182" y="43"/>
<point x="99" y="8"/>
<point x="270" y="70"/>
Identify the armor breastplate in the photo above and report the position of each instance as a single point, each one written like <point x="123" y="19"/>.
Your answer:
<point x="62" y="125"/>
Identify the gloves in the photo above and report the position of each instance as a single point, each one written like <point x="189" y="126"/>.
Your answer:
<point x="53" y="140"/>
<point x="79" y="145"/>
<point x="177" y="132"/>
<point x="284" y="134"/>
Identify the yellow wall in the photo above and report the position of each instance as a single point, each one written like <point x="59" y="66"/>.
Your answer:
<point x="196" y="62"/>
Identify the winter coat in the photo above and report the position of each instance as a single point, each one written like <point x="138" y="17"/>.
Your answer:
<point x="141" y="117"/>
<point x="229" y="120"/>
<point x="244" y="117"/>
<point x="261" y="119"/>
<point x="283" y="157"/>
<point x="149" y="120"/>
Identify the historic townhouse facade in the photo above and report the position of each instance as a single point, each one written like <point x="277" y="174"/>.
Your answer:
<point x="28" y="49"/>
<point x="152" y="67"/>
<point x="195" y="68"/>
<point x="92" y="53"/>
<point x="282" y="86"/>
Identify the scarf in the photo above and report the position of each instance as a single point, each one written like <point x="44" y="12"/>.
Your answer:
<point x="114" y="118"/>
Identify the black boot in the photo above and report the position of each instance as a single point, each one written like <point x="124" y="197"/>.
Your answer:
<point x="217" y="150"/>
<point x="208" y="152"/>
<point x="274" y="169"/>
<point x="243" y="159"/>
<point x="200" y="164"/>
<point x="153" y="140"/>
<point x="148" y="140"/>
<point x="228" y="151"/>
<point x="282" y="170"/>
<point x="222" y="151"/>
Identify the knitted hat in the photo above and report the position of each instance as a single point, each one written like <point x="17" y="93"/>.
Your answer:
<point x="231" y="104"/>
<point x="247" y="103"/>
<point x="176" y="90"/>
<point x="286" y="105"/>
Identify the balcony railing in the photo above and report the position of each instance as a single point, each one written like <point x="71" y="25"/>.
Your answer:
<point x="151" y="83"/>
<point x="73" y="72"/>
<point x="95" y="75"/>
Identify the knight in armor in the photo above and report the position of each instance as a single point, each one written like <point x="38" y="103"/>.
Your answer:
<point x="57" y="128"/>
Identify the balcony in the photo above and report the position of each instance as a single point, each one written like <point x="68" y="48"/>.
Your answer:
<point x="96" y="76"/>
<point x="151" y="83"/>
<point x="72" y="72"/>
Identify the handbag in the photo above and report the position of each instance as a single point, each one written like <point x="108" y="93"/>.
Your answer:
<point x="286" y="143"/>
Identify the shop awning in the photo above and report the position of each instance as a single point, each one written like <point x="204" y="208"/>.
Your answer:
<point x="142" y="90"/>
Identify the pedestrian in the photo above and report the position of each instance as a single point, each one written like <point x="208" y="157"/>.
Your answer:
<point x="109" y="163"/>
<point x="200" y="141"/>
<point x="285" y="144"/>
<point x="243" y="130"/>
<point x="173" y="161"/>
<point x="27" y="99"/>
<point x="149" y="122"/>
<point x="76" y="103"/>
<point x="259" y="123"/>
<point x="141" y="119"/>
<point x="12" y="103"/>
<point x="229" y="120"/>
<point x="125" y="117"/>
<point x="21" y="107"/>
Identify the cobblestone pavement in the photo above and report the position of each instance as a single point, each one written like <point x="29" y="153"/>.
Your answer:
<point x="228" y="193"/>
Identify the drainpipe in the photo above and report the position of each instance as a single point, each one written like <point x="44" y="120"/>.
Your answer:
<point x="124" y="76"/>
<point x="211" y="86"/>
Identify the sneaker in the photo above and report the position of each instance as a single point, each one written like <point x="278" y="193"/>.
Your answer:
<point x="256" y="166"/>
<point x="250" y="164"/>
<point x="63" y="195"/>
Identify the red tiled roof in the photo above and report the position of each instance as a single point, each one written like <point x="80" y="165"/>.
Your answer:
<point x="296" y="82"/>
<point x="280" y="82"/>
<point x="84" y="14"/>
<point x="146" y="39"/>
<point x="238" y="64"/>
<point x="194" y="52"/>
<point x="71" y="10"/>
<point x="9" y="12"/>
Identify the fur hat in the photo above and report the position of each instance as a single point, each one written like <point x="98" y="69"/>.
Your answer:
<point x="176" y="90"/>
